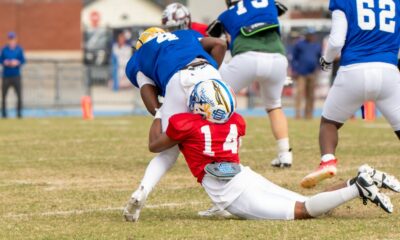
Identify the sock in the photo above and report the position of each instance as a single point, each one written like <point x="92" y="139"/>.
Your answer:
<point x="283" y="145"/>
<point x="327" y="157"/>
<point x="157" y="167"/>
<point x="323" y="202"/>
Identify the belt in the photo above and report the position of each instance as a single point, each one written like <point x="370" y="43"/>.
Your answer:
<point x="194" y="64"/>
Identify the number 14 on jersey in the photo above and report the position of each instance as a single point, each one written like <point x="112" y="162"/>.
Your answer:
<point x="230" y="144"/>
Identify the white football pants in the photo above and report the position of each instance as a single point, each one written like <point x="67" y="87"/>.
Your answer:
<point x="356" y="83"/>
<point x="251" y="196"/>
<point x="269" y="69"/>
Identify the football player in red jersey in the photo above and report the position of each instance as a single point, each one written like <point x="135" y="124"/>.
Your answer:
<point x="176" y="16"/>
<point x="209" y="139"/>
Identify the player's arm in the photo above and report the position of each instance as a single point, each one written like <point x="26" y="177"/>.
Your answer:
<point x="215" y="47"/>
<point x="148" y="92"/>
<point x="336" y="40"/>
<point x="159" y="141"/>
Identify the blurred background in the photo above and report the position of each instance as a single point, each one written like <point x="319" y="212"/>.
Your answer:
<point x="77" y="48"/>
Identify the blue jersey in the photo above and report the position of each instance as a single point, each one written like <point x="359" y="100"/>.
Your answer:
<point x="373" y="33"/>
<point x="8" y="53"/>
<point x="248" y="12"/>
<point x="160" y="58"/>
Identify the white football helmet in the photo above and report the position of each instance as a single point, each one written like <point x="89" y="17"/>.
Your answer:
<point x="214" y="100"/>
<point x="176" y="16"/>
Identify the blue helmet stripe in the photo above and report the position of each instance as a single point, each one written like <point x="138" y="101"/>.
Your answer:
<point x="229" y="94"/>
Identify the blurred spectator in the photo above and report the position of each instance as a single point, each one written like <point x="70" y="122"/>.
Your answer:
<point x="12" y="58"/>
<point x="305" y="65"/>
<point x="121" y="52"/>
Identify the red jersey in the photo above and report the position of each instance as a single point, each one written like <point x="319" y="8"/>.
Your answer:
<point x="200" y="27"/>
<point x="203" y="142"/>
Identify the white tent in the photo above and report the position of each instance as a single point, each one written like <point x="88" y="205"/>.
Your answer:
<point x="121" y="13"/>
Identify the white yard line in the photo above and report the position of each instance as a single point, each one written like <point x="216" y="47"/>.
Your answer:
<point x="94" y="210"/>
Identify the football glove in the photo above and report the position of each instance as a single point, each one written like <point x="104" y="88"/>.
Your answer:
<point x="215" y="29"/>
<point x="325" y="66"/>
<point x="281" y="8"/>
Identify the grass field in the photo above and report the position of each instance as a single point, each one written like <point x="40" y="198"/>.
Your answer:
<point x="69" y="179"/>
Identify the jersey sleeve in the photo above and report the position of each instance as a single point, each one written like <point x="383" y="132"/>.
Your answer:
<point x="337" y="5"/>
<point x="180" y="126"/>
<point x="132" y="70"/>
<point x="241" y="124"/>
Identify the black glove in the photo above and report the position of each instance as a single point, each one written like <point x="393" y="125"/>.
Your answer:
<point x="281" y="8"/>
<point x="215" y="29"/>
<point x="325" y="66"/>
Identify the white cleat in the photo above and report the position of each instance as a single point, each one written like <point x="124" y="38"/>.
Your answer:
<point x="283" y="160"/>
<point x="135" y="204"/>
<point x="214" y="211"/>
<point x="369" y="191"/>
<point x="381" y="179"/>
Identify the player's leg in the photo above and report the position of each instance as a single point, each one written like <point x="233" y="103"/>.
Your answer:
<point x="309" y="92"/>
<point x="18" y="92"/>
<point x="388" y="101"/>
<point x="174" y="102"/>
<point x="300" y="92"/>
<point x="4" y="89"/>
<point x="240" y="72"/>
<point x="344" y="98"/>
<point x="271" y="71"/>
<point x="263" y="199"/>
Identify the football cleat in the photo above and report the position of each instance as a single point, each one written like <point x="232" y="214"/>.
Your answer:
<point x="283" y="160"/>
<point x="324" y="171"/>
<point x="369" y="191"/>
<point x="381" y="179"/>
<point x="214" y="211"/>
<point x="135" y="204"/>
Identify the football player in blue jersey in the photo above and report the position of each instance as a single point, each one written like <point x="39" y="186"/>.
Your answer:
<point x="367" y="34"/>
<point x="252" y="30"/>
<point x="168" y="65"/>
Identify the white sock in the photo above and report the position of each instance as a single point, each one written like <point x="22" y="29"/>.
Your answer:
<point x="327" y="157"/>
<point x="158" y="166"/>
<point x="283" y="145"/>
<point x="323" y="202"/>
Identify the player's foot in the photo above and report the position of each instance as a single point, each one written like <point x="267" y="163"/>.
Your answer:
<point x="283" y="160"/>
<point x="324" y="171"/>
<point x="381" y="179"/>
<point x="135" y="205"/>
<point x="214" y="211"/>
<point x="369" y="191"/>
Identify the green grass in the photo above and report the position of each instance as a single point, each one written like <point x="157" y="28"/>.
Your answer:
<point x="69" y="179"/>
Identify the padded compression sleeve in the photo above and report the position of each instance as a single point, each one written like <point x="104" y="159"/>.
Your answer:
<point x="337" y="36"/>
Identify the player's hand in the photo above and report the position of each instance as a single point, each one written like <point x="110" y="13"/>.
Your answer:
<point x="215" y="29"/>
<point x="325" y="66"/>
<point x="281" y="8"/>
